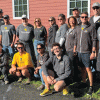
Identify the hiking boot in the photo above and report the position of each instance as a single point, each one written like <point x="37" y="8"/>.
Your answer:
<point x="65" y="91"/>
<point x="90" y="91"/>
<point x="28" y="81"/>
<point x="6" y="82"/>
<point x="46" y="92"/>
<point x="41" y="87"/>
<point x="20" y="80"/>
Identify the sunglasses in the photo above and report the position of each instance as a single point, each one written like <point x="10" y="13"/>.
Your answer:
<point x="39" y="48"/>
<point x="60" y="19"/>
<point x="20" y="47"/>
<point x="84" y="17"/>
<point x="95" y="8"/>
<point x="50" y="20"/>
<point x="37" y="21"/>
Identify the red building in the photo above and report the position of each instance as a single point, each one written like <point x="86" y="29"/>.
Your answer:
<point x="42" y="9"/>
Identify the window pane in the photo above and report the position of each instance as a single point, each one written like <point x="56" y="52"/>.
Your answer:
<point x="24" y="1"/>
<point x="70" y="11"/>
<point x="16" y="8"/>
<point x="25" y="12"/>
<point x="25" y="7"/>
<point x="72" y="4"/>
<point x="80" y="10"/>
<point x="84" y="3"/>
<point x="20" y="2"/>
<point x="78" y="4"/>
<point x="16" y="14"/>
<point x="20" y="8"/>
<point x="84" y="10"/>
<point x="20" y="14"/>
<point x="15" y="2"/>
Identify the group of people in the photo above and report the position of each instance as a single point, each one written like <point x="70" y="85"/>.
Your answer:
<point x="56" y="58"/>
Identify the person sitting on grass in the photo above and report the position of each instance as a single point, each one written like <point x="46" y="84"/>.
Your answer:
<point x="60" y="75"/>
<point x="4" y="64"/>
<point x="41" y="59"/>
<point x="22" y="64"/>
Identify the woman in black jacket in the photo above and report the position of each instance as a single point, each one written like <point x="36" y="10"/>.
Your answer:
<point x="52" y="33"/>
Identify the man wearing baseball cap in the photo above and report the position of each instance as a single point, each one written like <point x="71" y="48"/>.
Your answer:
<point x="1" y="17"/>
<point x="7" y="36"/>
<point x="95" y="21"/>
<point x="76" y="13"/>
<point x="25" y="33"/>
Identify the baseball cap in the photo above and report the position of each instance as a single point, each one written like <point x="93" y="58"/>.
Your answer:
<point x="75" y="8"/>
<point x="96" y="4"/>
<point x="24" y="16"/>
<point x="6" y="17"/>
<point x="1" y="11"/>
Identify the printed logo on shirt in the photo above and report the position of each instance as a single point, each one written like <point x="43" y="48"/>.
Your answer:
<point x="41" y="62"/>
<point x="25" y="29"/>
<point x="61" y="63"/>
<point x="20" y="59"/>
<point x="82" y="28"/>
<point x="5" y="28"/>
<point x="71" y="33"/>
<point x="40" y="30"/>
<point x="85" y="31"/>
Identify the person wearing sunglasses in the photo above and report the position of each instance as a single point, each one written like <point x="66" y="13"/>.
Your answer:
<point x="59" y="75"/>
<point x="25" y="34"/>
<point x="42" y="58"/>
<point x="40" y="34"/>
<point x="52" y="33"/>
<point x="60" y="34"/>
<point x="22" y="64"/>
<point x="7" y="36"/>
<point x="95" y="21"/>
<point x="85" y="45"/>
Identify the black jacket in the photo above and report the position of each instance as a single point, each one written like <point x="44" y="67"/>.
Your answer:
<point x="3" y="59"/>
<point x="52" y="33"/>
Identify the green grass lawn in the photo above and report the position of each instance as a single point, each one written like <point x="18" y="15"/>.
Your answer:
<point x="73" y="89"/>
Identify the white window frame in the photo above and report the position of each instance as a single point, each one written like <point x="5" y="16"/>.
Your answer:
<point x="68" y="6"/>
<point x="14" y="10"/>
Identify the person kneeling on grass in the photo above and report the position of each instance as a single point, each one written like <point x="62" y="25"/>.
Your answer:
<point x="60" y="75"/>
<point x="24" y="64"/>
<point x="41" y="59"/>
<point x="4" y="64"/>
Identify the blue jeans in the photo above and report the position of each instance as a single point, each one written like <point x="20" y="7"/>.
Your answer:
<point x="9" y="50"/>
<point x="36" y="42"/>
<point x="40" y="76"/>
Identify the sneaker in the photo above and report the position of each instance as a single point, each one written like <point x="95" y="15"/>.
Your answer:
<point x="20" y="80"/>
<point x="41" y="87"/>
<point x="6" y="82"/>
<point x="65" y="91"/>
<point x="46" y="92"/>
<point x="90" y="91"/>
<point x="28" y="81"/>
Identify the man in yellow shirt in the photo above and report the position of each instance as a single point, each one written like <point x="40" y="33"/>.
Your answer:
<point x="22" y="64"/>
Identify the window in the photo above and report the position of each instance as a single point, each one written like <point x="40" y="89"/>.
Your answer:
<point x="20" y="7"/>
<point x="83" y="5"/>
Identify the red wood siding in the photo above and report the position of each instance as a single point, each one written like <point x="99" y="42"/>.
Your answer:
<point x="39" y="8"/>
